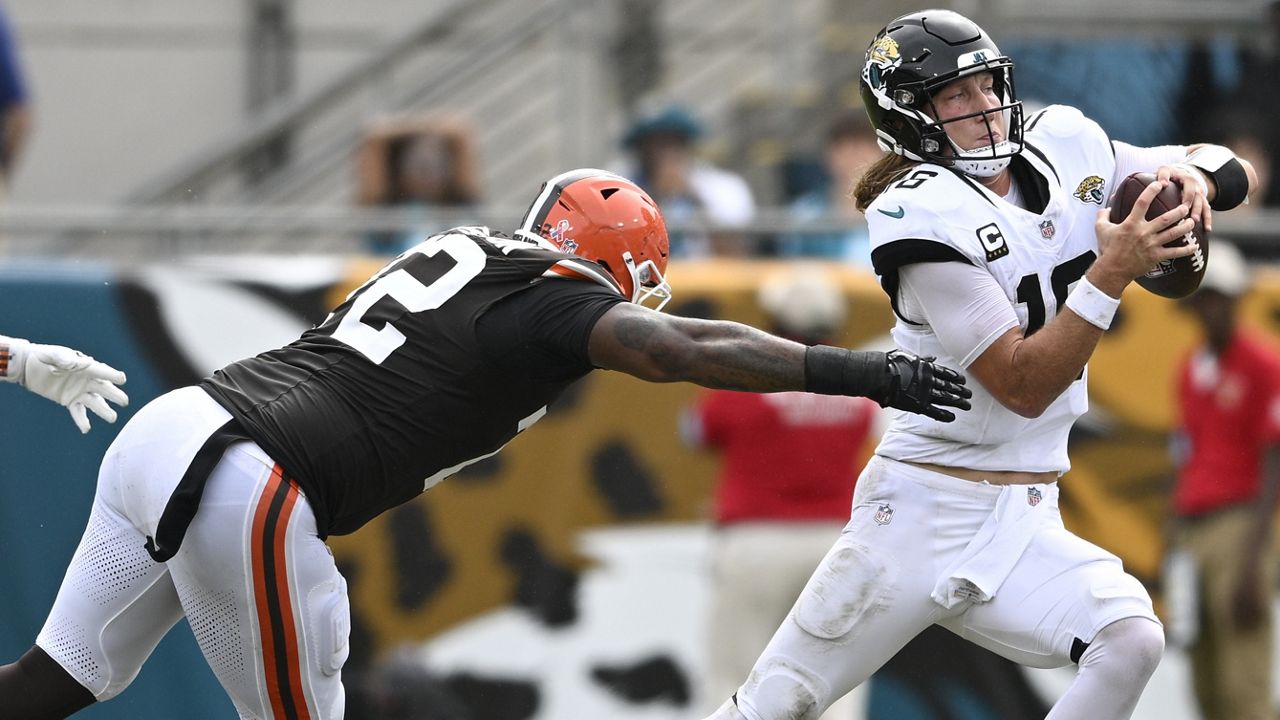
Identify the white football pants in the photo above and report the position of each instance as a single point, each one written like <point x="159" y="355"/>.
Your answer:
<point x="257" y="585"/>
<point x="993" y="564"/>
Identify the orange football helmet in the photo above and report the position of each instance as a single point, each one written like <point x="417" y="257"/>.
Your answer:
<point x="609" y="220"/>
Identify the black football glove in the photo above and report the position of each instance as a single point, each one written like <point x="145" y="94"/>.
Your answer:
<point x="917" y="385"/>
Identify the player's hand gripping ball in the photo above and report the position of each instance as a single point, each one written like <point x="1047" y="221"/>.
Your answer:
<point x="1171" y="278"/>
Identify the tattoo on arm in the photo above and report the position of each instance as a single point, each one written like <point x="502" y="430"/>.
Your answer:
<point x="636" y="331"/>
<point x="711" y="353"/>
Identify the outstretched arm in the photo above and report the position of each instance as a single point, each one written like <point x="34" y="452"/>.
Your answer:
<point x="715" y="354"/>
<point x="65" y="376"/>
<point x="728" y="355"/>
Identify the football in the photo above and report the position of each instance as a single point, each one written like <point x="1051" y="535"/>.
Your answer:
<point x="1171" y="278"/>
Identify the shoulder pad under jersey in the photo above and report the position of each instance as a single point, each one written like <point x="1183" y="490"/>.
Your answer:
<point x="1058" y="123"/>
<point x="563" y="265"/>
<point x="931" y="204"/>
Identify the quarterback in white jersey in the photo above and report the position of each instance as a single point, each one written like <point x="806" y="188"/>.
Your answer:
<point x="1036" y="250"/>
<point x="990" y="235"/>
<point x="1036" y="254"/>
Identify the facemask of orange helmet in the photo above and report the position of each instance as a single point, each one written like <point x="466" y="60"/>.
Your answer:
<point x="609" y="220"/>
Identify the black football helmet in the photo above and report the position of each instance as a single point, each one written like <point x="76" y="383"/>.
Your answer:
<point x="908" y="62"/>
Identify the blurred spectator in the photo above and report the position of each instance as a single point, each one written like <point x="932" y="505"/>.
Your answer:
<point x="1224" y="501"/>
<point x="1258" y="89"/>
<point x="15" y="114"/>
<point x="688" y="189"/>
<point x="1138" y="105"/>
<point x="1247" y="134"/>
<point x="850" y="147"/>
<point x="637" y="50"/>
<point x="785" y="490"/>
<point x="419" y="163"/>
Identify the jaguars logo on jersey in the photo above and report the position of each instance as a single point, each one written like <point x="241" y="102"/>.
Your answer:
<point x="1090" y="190"/>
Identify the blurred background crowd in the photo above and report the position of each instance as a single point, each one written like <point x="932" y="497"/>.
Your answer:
<point x="742" y="118"/>
<point x="285" y="147"/>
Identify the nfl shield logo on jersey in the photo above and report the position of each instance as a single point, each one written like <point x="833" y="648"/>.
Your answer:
<point x="1047" y="230"/>
<point x="1033" y="496"/>
<point x="884" y="515"/>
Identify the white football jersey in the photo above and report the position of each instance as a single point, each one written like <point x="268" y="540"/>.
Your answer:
<point x="933" y="215"/>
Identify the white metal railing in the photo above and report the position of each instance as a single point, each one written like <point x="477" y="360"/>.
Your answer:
<point x="223" y="157"/>
<point x="158" y="231"/>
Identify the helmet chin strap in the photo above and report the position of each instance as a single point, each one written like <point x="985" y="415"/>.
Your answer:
<point x="979" y="163"/>
<point x="536" y="239"/>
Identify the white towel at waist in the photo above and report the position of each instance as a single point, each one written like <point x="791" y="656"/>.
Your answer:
<point x="981" y="568"/>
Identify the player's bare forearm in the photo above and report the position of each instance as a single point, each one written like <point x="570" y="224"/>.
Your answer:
<point x="715" y="354"/>
<point x="1026" y="374"/>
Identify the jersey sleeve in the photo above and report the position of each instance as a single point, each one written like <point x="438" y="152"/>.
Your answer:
<point x="543" y="332"/>
<point x="913" y="221"/>
<point x="1131" y="158"/>
<point x="964" y="305"/>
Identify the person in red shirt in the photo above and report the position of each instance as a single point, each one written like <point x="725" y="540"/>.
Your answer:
<point x="1224" y="500"/>
<point x="785" y="488"/>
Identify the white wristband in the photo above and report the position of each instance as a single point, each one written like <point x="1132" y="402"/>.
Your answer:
<point x="1092" y="305"/>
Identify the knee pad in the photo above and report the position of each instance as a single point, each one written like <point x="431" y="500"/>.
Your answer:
<point x="329" y="620"/>
<point x="847" y="584"/>
<point x="1135" y="644"/>
<point x="333" y="624"/>
<point x="782" y="688"/>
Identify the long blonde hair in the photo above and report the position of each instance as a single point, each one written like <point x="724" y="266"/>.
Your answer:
<point x="886" y="170"/>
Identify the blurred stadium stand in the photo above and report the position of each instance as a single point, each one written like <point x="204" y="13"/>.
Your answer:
<point x="541" y="82"/>
<point x="131" y="232"/>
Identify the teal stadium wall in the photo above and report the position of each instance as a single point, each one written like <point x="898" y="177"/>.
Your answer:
<point x="47" y="475"/>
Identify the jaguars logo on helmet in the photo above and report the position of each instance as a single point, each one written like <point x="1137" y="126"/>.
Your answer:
<point x="882" y="58"/>
<point x="1090" y="190"/>
<point x="912" y="58"/>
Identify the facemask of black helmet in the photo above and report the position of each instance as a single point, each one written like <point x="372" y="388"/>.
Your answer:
<point x="910" y="61"/>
